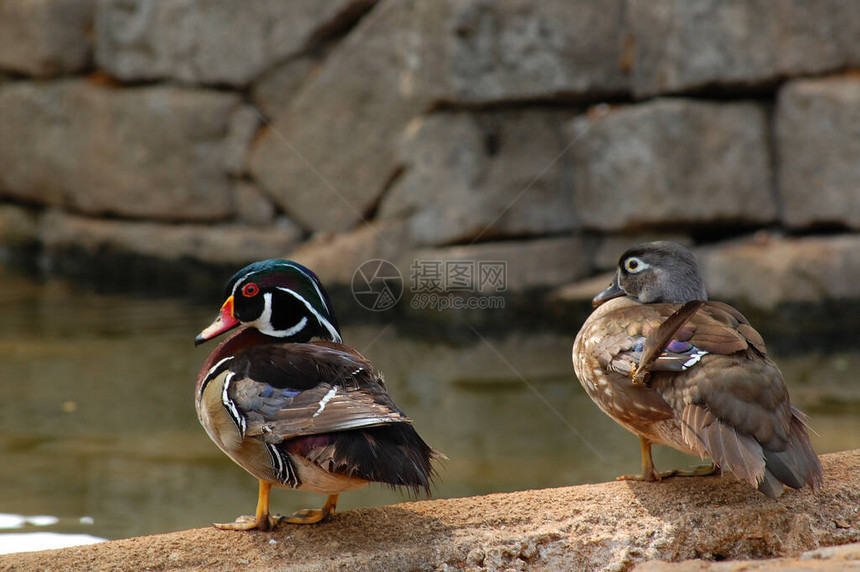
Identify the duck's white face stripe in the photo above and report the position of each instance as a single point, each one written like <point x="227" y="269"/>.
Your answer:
<point x="314" y="282"/>
<point x="264" y="322"/>
<point x="295" y="329"/>
<point x="239" y="281"/>
<point x="265" y="319"/>
<point x="328" y="326"/>
<point x="230" y="405"/>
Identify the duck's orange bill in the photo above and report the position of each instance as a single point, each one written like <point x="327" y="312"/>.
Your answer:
<point x="225" y="321"/>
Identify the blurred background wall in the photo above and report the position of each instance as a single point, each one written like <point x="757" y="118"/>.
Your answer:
<point x="552" y="134"/>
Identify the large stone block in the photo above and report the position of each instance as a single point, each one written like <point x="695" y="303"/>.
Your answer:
<point x="818" y="151"/>
<point x="519" y="49"/>
<point x="683" y="45"/>
<point x="210" y="41"/>
<point x="45" y="38"/>
<point x="252" y="207"/>
<point x="485" y="175"/>
<point x="327" y="156"/>
<point x="770" y="271"/>
<point x="18" y="227"/>
<point x="154" y="152"/>
<point x="336" y="257"/>
<point x="847" y="29"/>
<point x="226" y="244"/>
<point x="333" y="149"/>
<point x="272" y="92"/>
<point x="529" y="264"/>
<point x="673" y="163"/>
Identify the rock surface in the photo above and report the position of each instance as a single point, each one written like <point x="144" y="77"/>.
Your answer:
<point x="442" y="124"/>
<point x="210" y="42"/>
<point x="215" y="244"/>
<point x="158" y="152"/>
<point x="818" y="145"/>
<point x="19" y="227"/>
<point x="684" y="46"/>
<point x="252" y="207"/>
<point x="672" y="163"/>
<point x="337" y="137"/>
<point x="611" y="526"/>
<point x="336" y="257"/>
<point x="468" y="176"/>
<point x="274" y="89"/>
<point x="45" y="38"/>
<point x="521" y="50"/>
<point x="327" y="157"/>
<point x="538" y="264"/>
<point x="771" y="270"/>
<point x="833" y="558"/>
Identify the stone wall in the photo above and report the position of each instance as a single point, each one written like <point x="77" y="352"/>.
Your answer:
<point x="551" y="134"/>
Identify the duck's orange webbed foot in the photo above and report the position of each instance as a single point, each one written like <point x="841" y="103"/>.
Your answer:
<point x="248" y="522"/>
<point x="261" y="521"/>
<point x="313" y="516"/>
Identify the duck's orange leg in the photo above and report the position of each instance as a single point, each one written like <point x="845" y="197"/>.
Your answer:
<point x="650" y="473"/>
<point x="262" y="520"/>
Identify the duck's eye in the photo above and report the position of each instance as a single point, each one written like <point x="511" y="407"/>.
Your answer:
<point x="634" y="265"/>
<point x="250" y="290"/>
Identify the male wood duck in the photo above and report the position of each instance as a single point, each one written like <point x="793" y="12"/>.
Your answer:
<point x="678" y="370"/>
<point x="292" y="405"/>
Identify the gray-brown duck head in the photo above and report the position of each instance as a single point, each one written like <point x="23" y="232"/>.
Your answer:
<point x="656" y="272"/>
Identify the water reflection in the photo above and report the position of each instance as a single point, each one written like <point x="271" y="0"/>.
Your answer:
<point x="97" y="416"/>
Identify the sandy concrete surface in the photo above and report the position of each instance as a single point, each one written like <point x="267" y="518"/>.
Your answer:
<point x="701" y="523"/>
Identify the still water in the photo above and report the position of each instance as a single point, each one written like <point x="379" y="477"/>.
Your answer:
<point x="98" y="429"/>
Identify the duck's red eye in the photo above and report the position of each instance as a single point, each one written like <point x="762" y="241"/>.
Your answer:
<point x="250" y="290"/>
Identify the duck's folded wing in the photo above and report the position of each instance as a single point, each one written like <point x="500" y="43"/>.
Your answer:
<point x="655" y="347"/>
<point x="303" y="389"/>
<point x="694" y="331"/>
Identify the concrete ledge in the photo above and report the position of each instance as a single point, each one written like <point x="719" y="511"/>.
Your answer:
<point x="613" y="526"/>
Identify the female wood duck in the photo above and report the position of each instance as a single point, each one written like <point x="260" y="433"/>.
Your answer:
<point x="297" y="413"/>
<point x="678" y="370"/>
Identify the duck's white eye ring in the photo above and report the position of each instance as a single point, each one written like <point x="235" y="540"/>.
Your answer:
<point x="635" y="265"/>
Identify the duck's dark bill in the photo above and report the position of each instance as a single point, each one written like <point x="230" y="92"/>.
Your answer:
<point x="225" y="321"/>
<point x="613" y="291"/>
